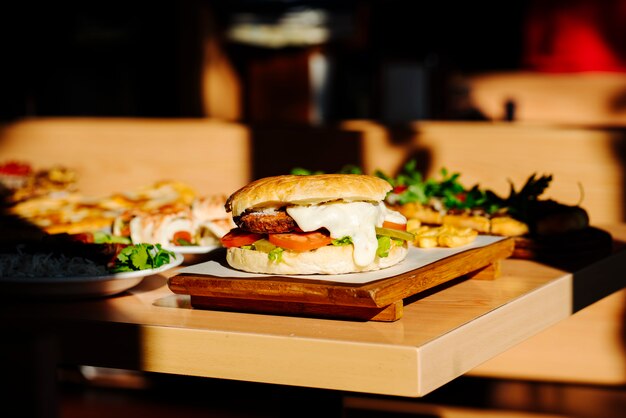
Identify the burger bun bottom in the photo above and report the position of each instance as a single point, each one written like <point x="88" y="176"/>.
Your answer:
<point x="326" y="260"/>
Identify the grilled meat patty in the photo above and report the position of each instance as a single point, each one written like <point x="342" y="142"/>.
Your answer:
<point x="274" y="222"/>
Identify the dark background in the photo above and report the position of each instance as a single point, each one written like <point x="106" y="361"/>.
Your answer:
<point x="141" y="59"/>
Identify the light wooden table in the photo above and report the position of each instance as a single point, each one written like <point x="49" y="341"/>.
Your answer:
<point x="442" y="335"/>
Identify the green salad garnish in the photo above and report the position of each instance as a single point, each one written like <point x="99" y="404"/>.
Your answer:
<point x="141" y="257"/>
<point x="410" y="186"/>
<point x="346" y="169"/>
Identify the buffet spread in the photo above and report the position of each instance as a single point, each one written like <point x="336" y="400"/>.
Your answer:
<point x="342" y="245"/>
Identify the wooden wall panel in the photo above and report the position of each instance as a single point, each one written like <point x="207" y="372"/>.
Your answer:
<point x="113" y="155"/>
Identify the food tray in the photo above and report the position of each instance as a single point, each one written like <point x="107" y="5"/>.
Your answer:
<point x="379" y="300"/>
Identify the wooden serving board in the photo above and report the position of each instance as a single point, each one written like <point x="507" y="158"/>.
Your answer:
<point x="380" y="300"/>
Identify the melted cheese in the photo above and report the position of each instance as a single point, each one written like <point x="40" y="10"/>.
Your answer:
<point x="356" y="220"/>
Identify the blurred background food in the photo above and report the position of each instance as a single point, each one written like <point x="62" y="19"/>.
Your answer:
<point x="166" y="212"/>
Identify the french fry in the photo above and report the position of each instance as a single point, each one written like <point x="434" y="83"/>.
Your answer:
<point x="455" y="237"/>
<point x="441" y="236"/>
<point x="428" y="238"/>
<point x="413" y="224"/>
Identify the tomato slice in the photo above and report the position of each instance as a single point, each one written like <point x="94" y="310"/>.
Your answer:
<point x="238" y="237"/>
<point x="303" y="241"/>
<point x="393" y="225"/>
<point x="182" y="238"/>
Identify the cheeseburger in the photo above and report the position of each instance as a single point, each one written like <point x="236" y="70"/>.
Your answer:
<point x="318" y="224"/>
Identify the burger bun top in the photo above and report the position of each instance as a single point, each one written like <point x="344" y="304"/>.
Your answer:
<point x="306" y="190"/>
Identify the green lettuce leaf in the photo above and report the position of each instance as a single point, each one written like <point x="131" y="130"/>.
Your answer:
<point x="384" y="245"/>
<point x="342" y="241"/>
<point x="276" y="254"/>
